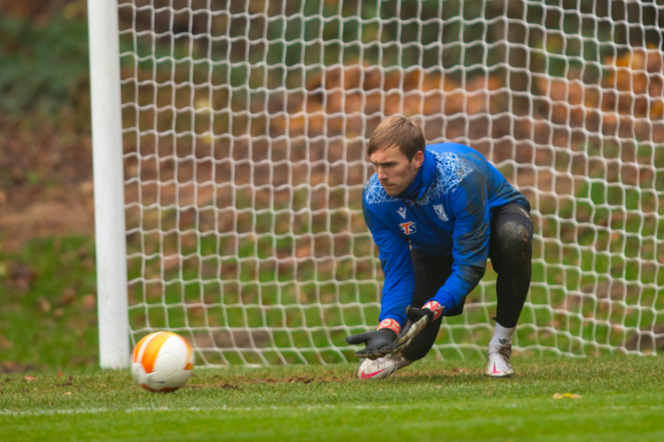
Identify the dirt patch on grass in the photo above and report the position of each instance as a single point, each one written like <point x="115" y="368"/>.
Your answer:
<point x="8" y="367"/>
<point x="334" y="377"/>
<point x="239" y="381"/>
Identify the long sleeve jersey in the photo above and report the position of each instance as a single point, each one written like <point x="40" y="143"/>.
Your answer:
<point x="453" y="197"/>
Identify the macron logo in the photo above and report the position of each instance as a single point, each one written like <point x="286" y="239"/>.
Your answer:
<point x="402" y="211"/>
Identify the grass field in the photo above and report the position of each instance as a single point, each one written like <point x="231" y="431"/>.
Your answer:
<point x="50" y="390"/>
<point x="621" y="399"/>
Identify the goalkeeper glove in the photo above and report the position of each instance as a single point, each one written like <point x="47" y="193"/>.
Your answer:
<point x="376" y="341"/>
<point x="418" y="319"/>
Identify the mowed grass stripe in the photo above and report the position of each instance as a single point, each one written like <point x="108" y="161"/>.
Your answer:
<point x="310" y="407"/>
<point x="47" y="412"/>
<point x="431" y="421"/>
<point x="448" y="400"/>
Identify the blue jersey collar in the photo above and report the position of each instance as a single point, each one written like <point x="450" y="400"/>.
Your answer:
<point x="423" y="179"/>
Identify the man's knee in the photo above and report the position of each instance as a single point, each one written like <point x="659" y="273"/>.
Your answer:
<point x="515" y="239"/>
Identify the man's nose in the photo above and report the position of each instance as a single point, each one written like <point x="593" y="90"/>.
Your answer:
<point x="380" y="172"/>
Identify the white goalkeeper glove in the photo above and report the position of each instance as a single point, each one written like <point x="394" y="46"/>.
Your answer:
<point x="418" y="319"/>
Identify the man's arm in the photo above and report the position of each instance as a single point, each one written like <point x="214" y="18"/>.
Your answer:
<point x="394" y="255"/>
<point x="470" y="251"/>
<point x="471" y="240"/>
<point x="397" y="265"/>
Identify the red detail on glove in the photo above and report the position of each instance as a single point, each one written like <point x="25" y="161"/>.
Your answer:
<point x="391" y="324"/>
<point x="436" y="308"/>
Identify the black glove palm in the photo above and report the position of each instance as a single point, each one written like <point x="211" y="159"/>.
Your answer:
<point x="376" y="341"/>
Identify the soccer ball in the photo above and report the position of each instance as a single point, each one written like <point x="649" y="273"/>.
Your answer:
<point x="162" y="362"/>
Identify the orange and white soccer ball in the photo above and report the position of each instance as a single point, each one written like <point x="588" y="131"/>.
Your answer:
<point x="162" y="362"/>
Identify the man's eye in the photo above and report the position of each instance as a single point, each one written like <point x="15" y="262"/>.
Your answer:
<point x="383" y="166"/>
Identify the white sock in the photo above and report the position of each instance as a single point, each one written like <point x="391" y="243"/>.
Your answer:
<point x="502" y="336"/>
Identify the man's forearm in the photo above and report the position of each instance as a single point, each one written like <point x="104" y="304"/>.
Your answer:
<point x="461" y="282"/>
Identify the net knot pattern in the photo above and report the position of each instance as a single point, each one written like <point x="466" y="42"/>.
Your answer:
<point x="245" y="127"/>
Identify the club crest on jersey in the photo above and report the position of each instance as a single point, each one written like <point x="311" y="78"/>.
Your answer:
<point x="438" y="208"/>
<point x="408" y="228"/>
<point x="402" y="211"/>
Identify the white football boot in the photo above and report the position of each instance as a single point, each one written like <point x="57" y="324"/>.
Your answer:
<point x="381" y="368"/>
<point x="498" y="364"/>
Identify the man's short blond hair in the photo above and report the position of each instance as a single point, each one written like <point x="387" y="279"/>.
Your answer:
<point x="397" y="131"/>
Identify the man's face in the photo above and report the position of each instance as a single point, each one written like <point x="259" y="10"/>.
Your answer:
<point x="395" y="172"/>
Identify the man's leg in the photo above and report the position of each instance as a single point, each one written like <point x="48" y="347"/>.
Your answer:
<point x="510" y="250"/>
<point x="431" y="272"/>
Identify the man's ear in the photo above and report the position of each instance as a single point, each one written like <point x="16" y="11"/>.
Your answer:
<point x="418" y="159"/>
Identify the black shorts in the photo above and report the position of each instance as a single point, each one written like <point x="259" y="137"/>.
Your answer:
<point x="431" y="272"/>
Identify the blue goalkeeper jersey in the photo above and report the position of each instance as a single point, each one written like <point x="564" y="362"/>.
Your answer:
<point x="446" y="211"/>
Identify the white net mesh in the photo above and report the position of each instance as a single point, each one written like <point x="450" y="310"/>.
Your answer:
<point x="245" y="127"/>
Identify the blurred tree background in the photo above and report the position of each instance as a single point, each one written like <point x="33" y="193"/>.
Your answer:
<point x="45" y="154"/>
<point x="46" y="205"/>
<point x="47" y="275"/>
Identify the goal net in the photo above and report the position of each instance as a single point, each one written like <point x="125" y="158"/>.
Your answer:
<point x="245" y="125"/>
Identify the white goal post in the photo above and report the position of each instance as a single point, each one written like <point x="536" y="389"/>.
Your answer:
<point x="110" y="232"/>
<point x="230" y="138"/>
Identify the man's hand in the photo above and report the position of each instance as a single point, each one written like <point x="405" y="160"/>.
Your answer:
<point x="377" y="341"/>
<point x="418" y="319"/>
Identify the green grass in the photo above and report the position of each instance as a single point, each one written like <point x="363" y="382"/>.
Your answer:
<point x="49" y="313"/>
<point x="447" y="400"/>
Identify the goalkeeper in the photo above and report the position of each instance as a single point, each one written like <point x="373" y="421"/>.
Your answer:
<point x="436" y="214"/>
